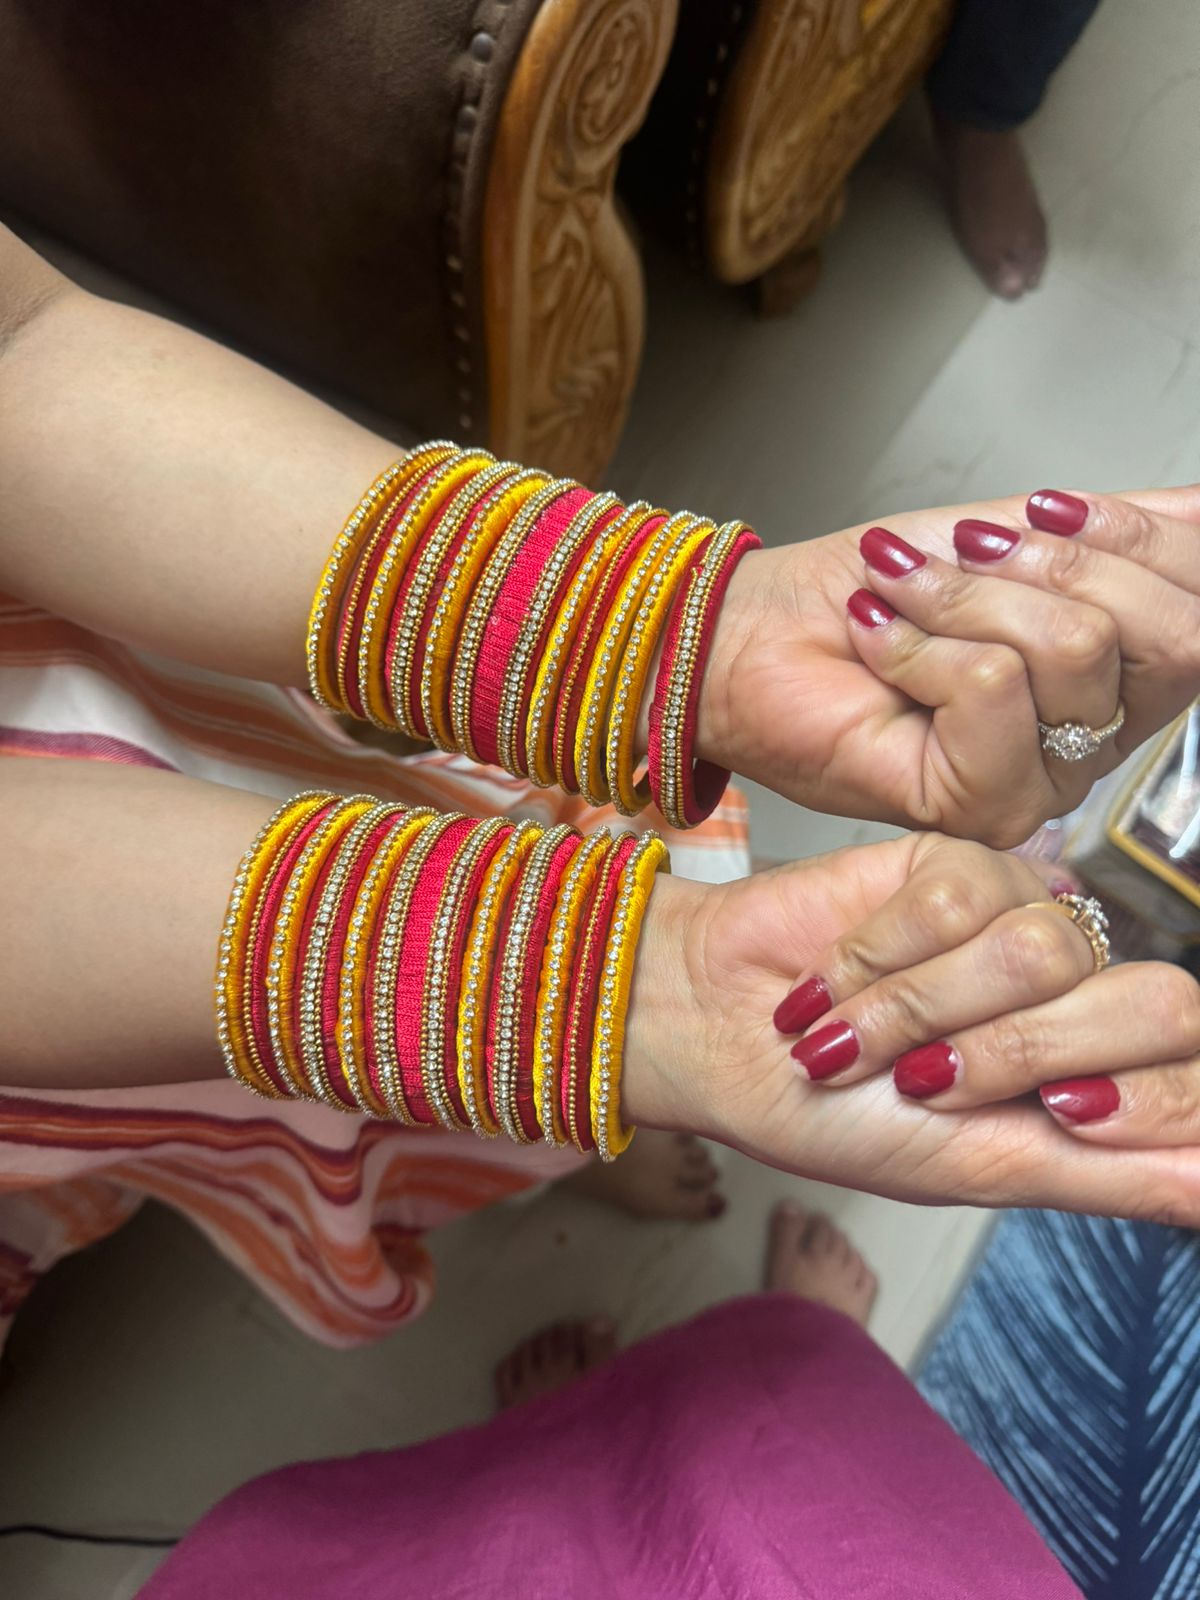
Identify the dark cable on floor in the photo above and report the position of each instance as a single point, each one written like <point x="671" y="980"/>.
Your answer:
<point x="73" y="1536"/>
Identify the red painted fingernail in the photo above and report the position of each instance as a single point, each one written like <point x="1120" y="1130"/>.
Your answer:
<point x="1062" y="886"/>
<point x="1055" y="512"/>
<point x="1082" y="1099"/>
<point x="930" y="1069"/>
<point x="869" y="610"/>
<point x="887" y="553"/>
<point x="983" y="541"/>
<point x="803" y="1006"/>
<point x="827" y="1051"/>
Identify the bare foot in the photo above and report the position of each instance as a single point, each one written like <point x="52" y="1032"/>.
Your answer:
<point x="809" y="1257"/>
<point x="660" y="1175"/>
<point x="994" y="206"/>
<point x="552" y="1359"/>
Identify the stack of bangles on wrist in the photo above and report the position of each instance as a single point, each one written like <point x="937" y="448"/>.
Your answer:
<point x="515" y="618"/>
<point x="445" y="972"/>
<point x="436" y="970"/>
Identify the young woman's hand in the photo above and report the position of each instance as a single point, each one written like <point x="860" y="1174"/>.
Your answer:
<point x="917" y="699"/>
<point x="950" y="959"/>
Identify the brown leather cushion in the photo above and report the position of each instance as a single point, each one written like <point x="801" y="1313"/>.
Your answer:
<point x="304" y="175"/>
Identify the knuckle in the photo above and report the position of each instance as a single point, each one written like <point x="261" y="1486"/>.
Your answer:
<point x="943" y="909"/>
<point x="1084" y="636"/>
<point x="903" y="1011"/>
<point x="994" y="672"/>
<point x="1172" y="993"/>
<point x="1172" y="1205"/>
<point x="854" y="963"/>
<point x="1135" y="529"/>
<point x="1041" y="953"/>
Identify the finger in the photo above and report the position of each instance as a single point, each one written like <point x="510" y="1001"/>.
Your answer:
<point x="955" y="890"/>
<point x="1158" y="622"/>
<point x="912" y="1018"/>
<point x="985" y="749"/>
<point x="1158" y="1107"/>
<point x="1136" y="1015"/>
<point x="1151" y="529"/>
<point x="1069" y="649"/>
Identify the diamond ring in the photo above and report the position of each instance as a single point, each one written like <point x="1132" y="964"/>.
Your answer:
<point x="1075" y="741"/>
<point x="1086" y="912"/>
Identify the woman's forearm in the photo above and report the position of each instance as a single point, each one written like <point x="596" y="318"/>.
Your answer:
<point x="114" y="887"/>
<point x="158" y="488"/>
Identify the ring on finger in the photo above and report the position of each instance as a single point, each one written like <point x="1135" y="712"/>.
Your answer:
<point x="1086" y="912"/>
<point x="1076" y="741"/>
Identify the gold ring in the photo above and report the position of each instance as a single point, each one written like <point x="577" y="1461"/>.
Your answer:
<point x="1086" y="912"/>
<point x="1075" y="741"/>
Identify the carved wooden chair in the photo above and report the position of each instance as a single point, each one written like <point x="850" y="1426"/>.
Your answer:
<point x="410" y="203"/>
<point x="765" y="108"/>
<point x="407" y="202"/>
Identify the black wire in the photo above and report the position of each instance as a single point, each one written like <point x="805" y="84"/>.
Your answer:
<point x="74" y="1536"/>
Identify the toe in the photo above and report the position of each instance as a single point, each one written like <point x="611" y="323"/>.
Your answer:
<point x="597" y="1342"/>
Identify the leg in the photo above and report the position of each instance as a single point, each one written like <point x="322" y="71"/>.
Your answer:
<point x="990" y="78"/>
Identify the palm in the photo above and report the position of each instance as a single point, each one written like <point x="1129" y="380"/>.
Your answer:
<point x="744" y="945"/>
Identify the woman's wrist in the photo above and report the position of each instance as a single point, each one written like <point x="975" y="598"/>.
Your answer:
<point x="664" y="1033"/>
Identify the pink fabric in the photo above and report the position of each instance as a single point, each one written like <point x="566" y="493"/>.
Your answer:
<point x="767" y="1451"/>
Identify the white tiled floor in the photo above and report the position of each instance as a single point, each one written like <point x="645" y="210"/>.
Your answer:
<point x="148" y="1376"/>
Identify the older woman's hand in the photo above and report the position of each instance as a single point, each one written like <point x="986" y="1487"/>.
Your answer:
<point x="952" y="960"/>
<point x="918" y="700"/>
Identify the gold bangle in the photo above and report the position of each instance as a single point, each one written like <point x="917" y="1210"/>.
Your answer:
<point x="353" y="1000"/>
<point x="233" y="993"/>
<point x="616" y="981"/>
<point x="554" y="988"/>
<point x="445" y="628"/>
<point x="281" y="1021"/>
<point x="477" y="969"/>
<point x="590" y="736"/>
<point x="443" y="482"/>
<point x="639" y="653"/>
<point x="433" y="1018"/>
<point x="326" y="606"/>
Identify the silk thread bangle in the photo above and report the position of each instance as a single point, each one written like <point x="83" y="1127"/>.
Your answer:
<point x="234" y="950"/>
<point x="446" y="624"/>
<point x="656" y="602"/>
<point x="568" y="719"/>
<point x="473" y="1008"/>
<point x="358" y="960"/>
<point x="539" y="741"/>
<point x="330" y="588"/>
<point x="636" y="880"/>
<point x="554" y="986"/>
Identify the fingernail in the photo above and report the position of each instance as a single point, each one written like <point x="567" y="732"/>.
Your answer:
<point x="1062" y="886"/>
<point x="930" y="1069"/>
<point x="827" y="1051"/>
<point x="1082" y="1099"/>
<point x="887" y="553"/>
<point x="803" y="1006"/>
<point x="1055" y="512"/>
<point x="983" y="541"/>
<point x="869" y="610"/>
<point x="716" y="1205"/>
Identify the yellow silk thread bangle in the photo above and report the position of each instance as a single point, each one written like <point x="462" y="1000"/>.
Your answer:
<point x="554" y="988"/>
<point x="635" y="668"/>
<point x="442" y="484"/>
<point x="477" y="974"/>
<point x="547" y="683"/>
<point x="591" y="734"/>
<point x="608" y="1044"/>
<point x="320" y="646"/>
<point x="233" y="995"/>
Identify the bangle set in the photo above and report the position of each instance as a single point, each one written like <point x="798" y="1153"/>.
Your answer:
<point x="515" y="618"/>
<point x="435" y="970"/>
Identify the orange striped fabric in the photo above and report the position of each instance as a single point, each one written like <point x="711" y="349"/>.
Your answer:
<point x="324" y="1212"/>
